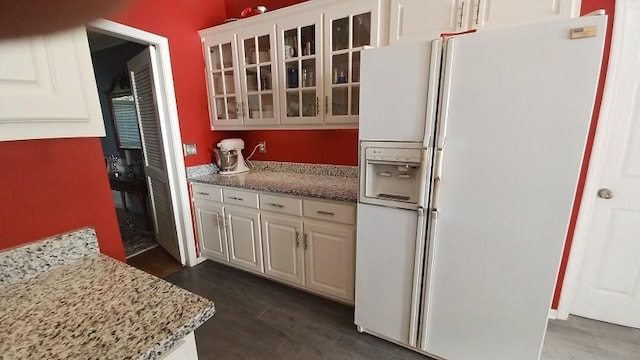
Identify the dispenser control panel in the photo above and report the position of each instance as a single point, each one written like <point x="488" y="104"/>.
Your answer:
<point x="394" y="155"/>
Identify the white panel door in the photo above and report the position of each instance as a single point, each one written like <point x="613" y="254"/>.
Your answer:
<point x="412" y="20"/>
<point x="516" y="120"/>
<point x="210" y="229"/>
<point x="486" y="13"/>
<point x="47" y="87"/>
<point x="243" y="237"/>
<point x="609" y="282"/>
<point x="282" y="247"/>
<point x="330" y="259"/>
<point x="143" y="71"/>
<point x="402" y="109"/>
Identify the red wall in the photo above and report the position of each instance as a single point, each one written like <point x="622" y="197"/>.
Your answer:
<point x="587" y="7"/>
<point x="54" y="186"/>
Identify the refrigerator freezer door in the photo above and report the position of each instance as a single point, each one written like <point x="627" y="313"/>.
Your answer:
<point x="396" y="82"/>
<point x="519" y="110"/>
<point x="385" y="269"/>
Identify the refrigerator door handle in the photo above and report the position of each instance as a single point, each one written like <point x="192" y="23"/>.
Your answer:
<point x="428" y="278"/>
<point x="414" y="320"/>
<point x="432" y="93"/>
<point x="437" y="178"/>
<point x="445" y="94"/>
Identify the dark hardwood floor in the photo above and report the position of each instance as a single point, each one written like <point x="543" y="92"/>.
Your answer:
<point x="260" y="319"/>
<point x="155" y="261"/>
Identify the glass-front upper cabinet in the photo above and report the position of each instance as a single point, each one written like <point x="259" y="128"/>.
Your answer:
<point x="257" y="58"/>
<point x="345" y="37"/>
<point x="224" y="89"/>
<point x="300" y="74"/>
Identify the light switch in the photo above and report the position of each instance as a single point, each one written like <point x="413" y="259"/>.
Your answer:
<point x="189" y="149"/>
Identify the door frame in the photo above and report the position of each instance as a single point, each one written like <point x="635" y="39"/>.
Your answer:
<point x="579" y="244"/>
<point x="176" y="170"/>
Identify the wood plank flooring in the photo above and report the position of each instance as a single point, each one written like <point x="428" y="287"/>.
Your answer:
<point x="260" y="319"/>
<point x="156" y="262"/>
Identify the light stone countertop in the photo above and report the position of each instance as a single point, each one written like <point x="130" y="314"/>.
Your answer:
<point x="89" y="307"/>
<point x="307" y="185"/>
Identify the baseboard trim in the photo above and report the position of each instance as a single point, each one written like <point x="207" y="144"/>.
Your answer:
<point x="553" y="314"/>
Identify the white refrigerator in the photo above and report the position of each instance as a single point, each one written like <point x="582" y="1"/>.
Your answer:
<point x="502" y="117"/>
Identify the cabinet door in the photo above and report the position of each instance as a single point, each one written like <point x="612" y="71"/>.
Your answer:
<point x="506" y="12"/>
<point x="243" y="236"/>
<point x="330" y="259"/>
<point x="223" y="83"/>
<point x="210" y="230"/>
<point x="47" y="88"/>
<point x="412" y="20"/>
<point x="283" y="253"/>
<point x="300" y="68"/>
<point x="257" y="59"/>
<point x="347" y="31"/>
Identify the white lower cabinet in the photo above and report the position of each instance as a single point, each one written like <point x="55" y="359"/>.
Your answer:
<point x="210" y="229"/>
<point x="243" y="237"/>
<point x="330" y="258"/>
<point x="307" y="251"/>
<point x="282" y="248"/>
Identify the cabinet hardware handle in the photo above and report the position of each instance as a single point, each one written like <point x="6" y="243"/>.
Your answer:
<point x="276" y="205"/>
<point x="220" y="221"/>
<point x="236" y="198"/>
<point x="306" y="241"/>
<point x="317" y="105"/>
<point x="238" y="110"/>
<point x="478" y="11"/>
<point x="244" y="112"/>
<point x="326" y="104"/>
<point x="297" y="239"/>
<point x="202" y="193"/>
<point x="322" y="212"/>
<point x="461" y="13"/>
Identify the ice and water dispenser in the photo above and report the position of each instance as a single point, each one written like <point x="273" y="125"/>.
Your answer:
<point x="392" y="174"/>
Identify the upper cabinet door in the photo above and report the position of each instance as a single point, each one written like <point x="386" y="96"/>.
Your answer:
<point x="348" y="30"/>
<point x="411" y="20"/>
<point x="47" y="88"/>
<point x="504" y="12"/>
<point x="222" y="79"/>
<point x="257" y="60"/>
<point x="300" y="68"/>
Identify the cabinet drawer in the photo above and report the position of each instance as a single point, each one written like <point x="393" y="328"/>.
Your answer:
<point x="207" y="192"/>
<point x="239" y="197"/>
<point x="281" y="204"/>
<point x="343" y="213"/>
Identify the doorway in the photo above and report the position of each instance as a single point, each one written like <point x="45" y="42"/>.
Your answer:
<point x="122" y="147"/>
<point x="162" y="158"/>
<point x="603" y="274"/>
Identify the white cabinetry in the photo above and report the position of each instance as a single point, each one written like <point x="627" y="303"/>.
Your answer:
<point x="47" y="88"/>
<point x="243" y="231"/>
<point x="283" y="252"/>
<point x="210" y="229"/>
<point x="330" y="258"/>
<point x="309" y="244"/>
<point x="411" y="20"/>
<point x="307" y="78"/>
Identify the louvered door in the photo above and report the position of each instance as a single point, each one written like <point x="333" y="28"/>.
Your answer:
<point x="143" y="72"/>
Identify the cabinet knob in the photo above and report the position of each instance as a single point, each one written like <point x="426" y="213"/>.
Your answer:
<point x="306" y="242"/>
<point x="297" y="239"/>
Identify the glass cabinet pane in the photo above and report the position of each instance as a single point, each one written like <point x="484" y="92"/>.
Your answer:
<point x="216" y="57"/>
<point x="309" y="73"/>
<point x="293" y="104"/>
<point x="227" y="56"/>
<point x="361" y="30"/>
<point x="264" y="49"/>
<point x="308" y="43"/>
<point x="309" y="100"/>
<point x="265" y="78"/>
<point x="250" y="51"/>
<point x="291" y="75"/>
<point x="252" y="79"/>
<point x="340" y="34"/>
<point x="290" y="44"/>
<point x="348" y="36"/>
<point x="229" y="85"/>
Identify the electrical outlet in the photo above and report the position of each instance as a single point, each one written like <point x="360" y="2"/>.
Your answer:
<point x="262" y="147"/>
<point x="189" y="149"/>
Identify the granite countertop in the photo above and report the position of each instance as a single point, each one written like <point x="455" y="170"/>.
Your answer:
<point x="310" y="181"/>
<point x="92" y="307"/>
